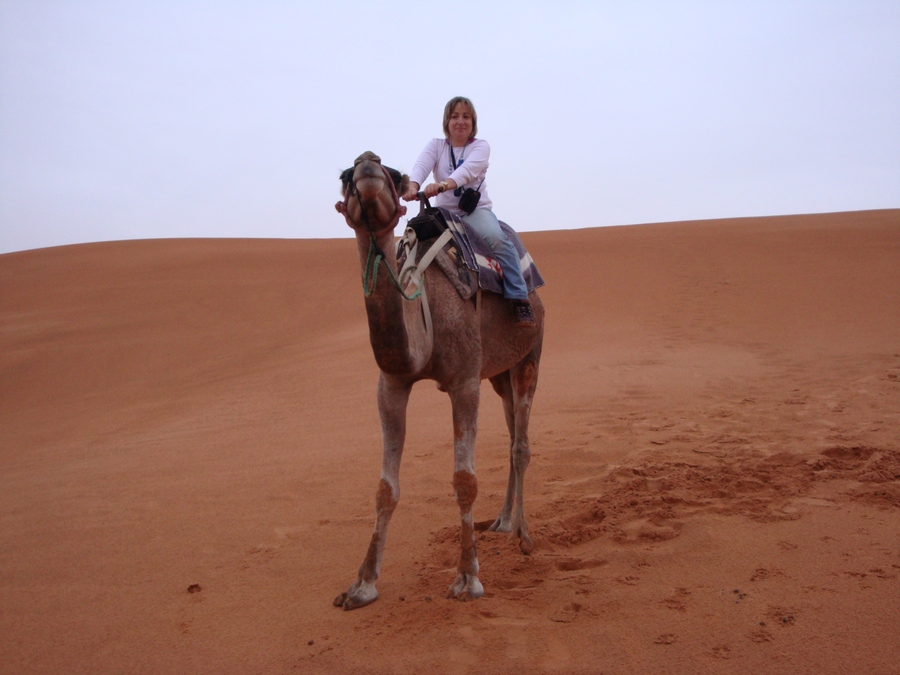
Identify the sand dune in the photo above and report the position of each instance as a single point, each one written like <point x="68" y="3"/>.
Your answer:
<point x="189" y="451"/>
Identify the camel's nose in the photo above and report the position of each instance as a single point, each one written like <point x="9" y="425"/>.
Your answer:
<point x="368" y="169"/>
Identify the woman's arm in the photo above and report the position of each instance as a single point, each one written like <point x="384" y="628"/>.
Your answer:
<point x="411" y="191"/>
<point x="436" y="188"/>
<point x="425" y="164"/>
<point x="478" y="156"/>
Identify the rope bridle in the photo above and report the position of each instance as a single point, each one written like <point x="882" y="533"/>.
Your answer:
<point x="374" y="259"/>
<point x="376" y="255"/>
<point x="399" y="209"/>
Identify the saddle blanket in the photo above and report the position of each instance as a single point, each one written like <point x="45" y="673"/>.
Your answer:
<point x="476" y="255"/>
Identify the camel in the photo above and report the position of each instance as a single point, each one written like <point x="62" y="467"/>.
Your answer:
<point x="463" y="347"/>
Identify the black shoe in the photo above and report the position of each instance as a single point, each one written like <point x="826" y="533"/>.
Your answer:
<point x="524" y="315"/>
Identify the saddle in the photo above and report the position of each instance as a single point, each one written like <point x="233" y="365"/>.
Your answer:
<point x="437" y="235"/>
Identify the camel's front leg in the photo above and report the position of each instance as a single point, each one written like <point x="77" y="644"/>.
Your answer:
<point x="392" y="401"/>
<point x="466" y="586"/>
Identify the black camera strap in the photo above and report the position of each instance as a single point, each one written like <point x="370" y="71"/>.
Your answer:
<point x="459" y="188"/>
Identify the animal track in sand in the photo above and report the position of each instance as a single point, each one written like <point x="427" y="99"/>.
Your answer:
<point x="647" y="502"/>
<point x="783" y="616"/>
<point x="567" y="614"/>
<point x="760" y="635"/>
<point x="628" y="580"/>
<point x="651" y="502"/>
<point x="721" y="652"/>
<point x="678" y="600"/>
<point x="573" y="565"/>
<point x="762" y="574"/>
<point x="656" y="528"/>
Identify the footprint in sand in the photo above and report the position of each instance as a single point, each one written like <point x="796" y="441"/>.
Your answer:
<point x="573" y="565"/>
<point x="628" y="580"/>
<point x="567" y="614"/>
<point x="652" y="529"/>
<point x="721" y="652"/>
<point x="760" y="635"/>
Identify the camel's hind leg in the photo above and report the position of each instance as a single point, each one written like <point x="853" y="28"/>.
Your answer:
<point x="392" y="402"/>
<point x="516" y="387"/>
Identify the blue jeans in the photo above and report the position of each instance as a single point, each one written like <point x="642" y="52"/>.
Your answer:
<point x="485" y="223"/>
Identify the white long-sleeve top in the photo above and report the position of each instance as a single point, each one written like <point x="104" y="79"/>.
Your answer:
<point x="435" y="159"/>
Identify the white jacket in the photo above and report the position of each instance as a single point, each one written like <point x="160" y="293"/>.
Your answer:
<point x="435" y="159"/>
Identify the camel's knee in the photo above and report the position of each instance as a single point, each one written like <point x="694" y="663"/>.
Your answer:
<point x="386" y="498"/>
<point x="521" y="456"/>
<point x="466" y="486"/>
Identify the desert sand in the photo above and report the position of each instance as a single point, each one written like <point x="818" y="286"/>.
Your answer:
<point x="190" y="449"/>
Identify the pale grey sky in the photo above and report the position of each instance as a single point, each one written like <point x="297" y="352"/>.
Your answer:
<point x="202" y="118"/>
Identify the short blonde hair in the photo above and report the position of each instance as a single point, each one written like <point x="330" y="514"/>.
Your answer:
<point x="448" y="110"/>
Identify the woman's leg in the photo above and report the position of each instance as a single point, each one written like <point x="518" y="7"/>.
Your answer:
<point x="485" y="223"/>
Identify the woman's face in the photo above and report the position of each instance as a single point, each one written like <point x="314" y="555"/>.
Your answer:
<point x="460" y="124"/>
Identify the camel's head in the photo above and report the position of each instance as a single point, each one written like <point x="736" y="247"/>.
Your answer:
<point x="371" y="190"/>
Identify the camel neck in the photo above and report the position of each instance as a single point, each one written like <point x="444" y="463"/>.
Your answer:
<point x="396" y="327"/>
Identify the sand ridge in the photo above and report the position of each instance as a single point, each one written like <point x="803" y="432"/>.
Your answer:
<point x="189" y="455"/>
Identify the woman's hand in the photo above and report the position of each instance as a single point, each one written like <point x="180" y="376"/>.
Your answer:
<point x="411" y="193"/>
<point x="435" y="189"/>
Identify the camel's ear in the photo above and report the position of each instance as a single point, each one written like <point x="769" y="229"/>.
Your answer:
<point x="346" y="177"/>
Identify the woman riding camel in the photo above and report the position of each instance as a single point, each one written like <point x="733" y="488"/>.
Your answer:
<point x="460" y="161"/>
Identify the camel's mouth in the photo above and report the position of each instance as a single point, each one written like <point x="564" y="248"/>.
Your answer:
<point x="368" y="185"/>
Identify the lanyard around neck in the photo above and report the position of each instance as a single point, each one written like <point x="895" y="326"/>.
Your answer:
<point x="453" y="163"/>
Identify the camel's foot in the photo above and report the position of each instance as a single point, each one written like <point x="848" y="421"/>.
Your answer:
<point x="466" y="587"/>
<point x="358" y="595"/>
<point x="525" y="543"/>
<point x="504" y="524"/>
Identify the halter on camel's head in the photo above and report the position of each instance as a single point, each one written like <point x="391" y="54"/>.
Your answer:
<point x="371" y="195"/>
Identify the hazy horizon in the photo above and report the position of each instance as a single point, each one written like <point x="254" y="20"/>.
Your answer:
<point x="200" y="119"/>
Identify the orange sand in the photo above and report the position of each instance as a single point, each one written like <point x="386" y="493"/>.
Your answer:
<point x="715" y="485"/>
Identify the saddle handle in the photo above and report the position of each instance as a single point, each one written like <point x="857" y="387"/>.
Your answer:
<point x="424" y="204"/>
<point x="430" y="222"/>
